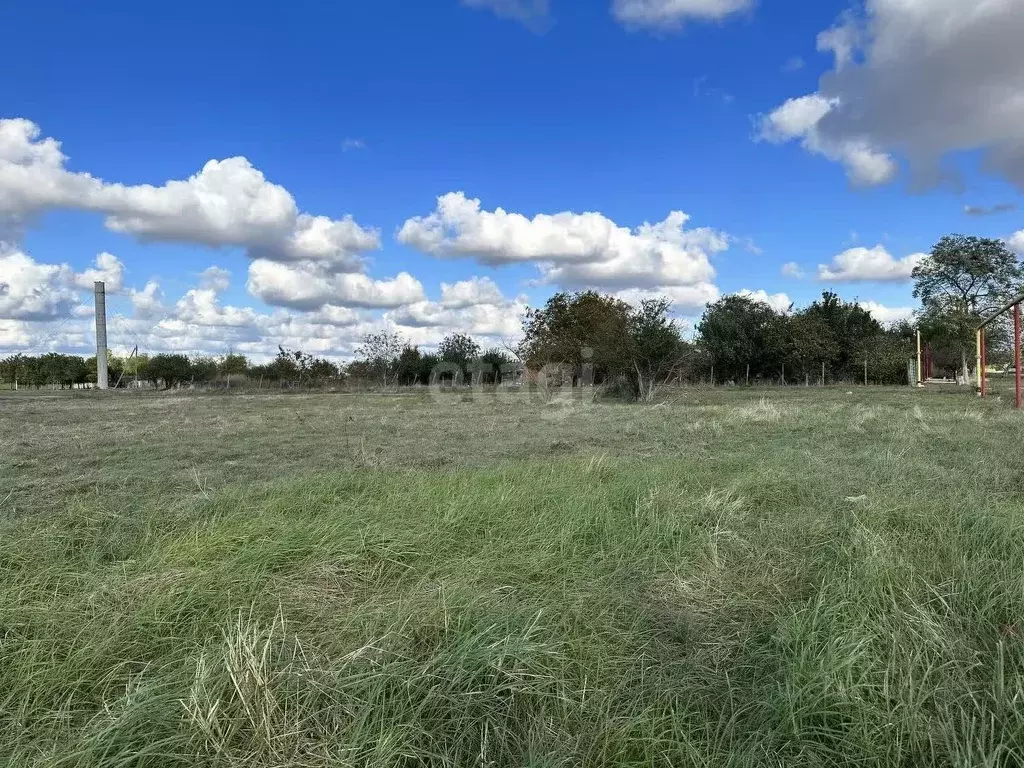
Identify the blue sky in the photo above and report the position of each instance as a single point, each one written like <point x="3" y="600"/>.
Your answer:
<point x="626" y="109"/>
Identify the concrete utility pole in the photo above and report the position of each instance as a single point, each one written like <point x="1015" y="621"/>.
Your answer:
<point x="101" y="334"/>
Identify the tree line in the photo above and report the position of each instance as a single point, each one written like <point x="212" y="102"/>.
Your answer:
<point x="594" y="338"/>
<point x="383" y="358"/>
<point x="584" y="337"/>
<point x="738" y="340"/>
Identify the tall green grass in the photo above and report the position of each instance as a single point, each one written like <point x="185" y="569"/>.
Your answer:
<point x="573" y="611"/>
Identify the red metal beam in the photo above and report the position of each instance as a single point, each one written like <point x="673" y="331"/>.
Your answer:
<point x="1001" y="310"/>
<point x="1016" y="355"/>
<point x="984" y="362"/>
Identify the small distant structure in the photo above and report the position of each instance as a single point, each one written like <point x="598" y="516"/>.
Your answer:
<point x="922" y="372"/>
<point x="512" y="375"/>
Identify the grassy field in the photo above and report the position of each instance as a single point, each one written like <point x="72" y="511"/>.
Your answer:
<point x="789" y="577"/>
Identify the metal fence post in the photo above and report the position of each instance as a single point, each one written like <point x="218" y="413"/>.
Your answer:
<point x="1016" y="354"/>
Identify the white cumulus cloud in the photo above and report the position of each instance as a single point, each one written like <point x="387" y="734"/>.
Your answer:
<point x="42" y="308"/>
<point x="471" y="292"/>
<point x="147" y="302"/>
<point x="799" y="118"/>
<point x="684" y="298"/>
<point x="497" y="320"/>
<point x="108" y="270"/>
<point x="652" y="255"/>
<point x="330" y="314"/>
<point x="227" y="203"/>
<point x="15" y="334"/>
<point x="458" y="227"/>
<point x="574" y="250"/>
<point x="31" y="290"/>
<point x="869" y="264"/>
<point x="200" y="306"/>
<point x="215" y="278"/>
<point x="669" y="14"/>
<point x="306" y="286"/>
<point x="887" y="315"/>
<point x="921" y="79"/>
<point x="475" y="306"/>
<point x="780" y="302"/>
<point x="792" y="269"/>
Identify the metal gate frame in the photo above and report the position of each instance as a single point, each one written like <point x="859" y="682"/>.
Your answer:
<point x="982" y="351"/>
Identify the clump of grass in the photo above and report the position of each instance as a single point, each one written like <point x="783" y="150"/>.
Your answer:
<point x="764" y="410"/>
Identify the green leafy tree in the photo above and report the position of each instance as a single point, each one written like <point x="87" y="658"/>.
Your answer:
<point x="809" y="342"/>
<point x="284" y="369"/>
<point x="459" y="350"/>
<point x="737" y="331"/>
<point x="133" y="364"/>
<point x="428" y="368"/>
<point x="260" y="372"/>
<point x="299" y="364"/>
<point x="576" y="328"/>
<point x="203" y="370"/>
<point x="889" y="352"/>
<point x="359" y="371"/>
<point x="171" y="369"/>
<point x="115" y="369"/>
<point x="379" y="354"/>
<point x="829" y="332"/>
<point x="656" y="349"/>
<point x="120" y="370"/>
<point x="12" y="369"/>
<point x="492" y="363"/>
<point x="321" y="371"/>
<point x="968" y="275"/>
<point x="233" y="364"/>
<point x="25" y="369"/>
<point x="409" y="366"/>
<point x="57" y="370"/>
<point x="845" y="330"/>
<point x="293" y="367"/>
